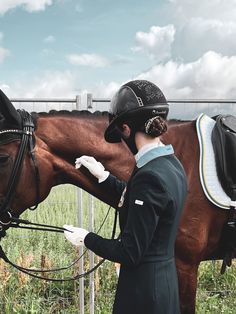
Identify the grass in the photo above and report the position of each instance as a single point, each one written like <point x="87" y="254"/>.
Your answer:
<point x="20" y="293"/>
<point x="216" y="293"/>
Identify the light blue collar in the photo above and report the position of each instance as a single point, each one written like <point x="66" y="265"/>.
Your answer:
<point x="145" y="148"/>
<point x="154" y="153"/>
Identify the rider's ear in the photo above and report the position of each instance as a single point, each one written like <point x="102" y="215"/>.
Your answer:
<point x="126" y="131"/>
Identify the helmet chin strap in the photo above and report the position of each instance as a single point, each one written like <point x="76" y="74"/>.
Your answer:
<point x="130" y="141"/>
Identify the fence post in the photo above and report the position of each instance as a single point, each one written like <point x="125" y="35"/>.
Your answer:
<point x="91" y="256"/>
<point x="80" y="223"/>
<point x="78" y="102"/>
<point x="81" y="251"/>
<point x="89" y="101"/>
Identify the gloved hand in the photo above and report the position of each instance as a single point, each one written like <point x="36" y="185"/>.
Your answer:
<point x="94" y="167"/>
<point x="75" y="235"/>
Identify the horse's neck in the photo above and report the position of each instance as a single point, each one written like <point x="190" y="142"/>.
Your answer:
<point x="62" y="138"/>
<point x="70" y="136"/>
<point x="66" y="135"/>
<point x="182" y="135"/>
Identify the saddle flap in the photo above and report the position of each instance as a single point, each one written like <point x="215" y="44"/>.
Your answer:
<point x="224" y="145"/>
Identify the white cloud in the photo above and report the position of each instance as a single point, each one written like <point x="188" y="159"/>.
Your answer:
<point x="199" y="35"/>
<point x="197" y="54"/>
<point x="200" y="26"/>
<point x="157" y="42"/>
<point x="120" y="59"/>
<point x="58" y="85"/>
<point x="103" y="90"/>
<point x="49" y="39"/>
<point x="28" y="5"/>
<point x="92" y="60"/>
<point x="5" y="88"/>
<point x="211" y="76"/>
<point x="216" y="9"/>
<point x="49" y="84"/>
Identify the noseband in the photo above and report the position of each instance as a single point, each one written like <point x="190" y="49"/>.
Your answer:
<point x="26" y="136"/>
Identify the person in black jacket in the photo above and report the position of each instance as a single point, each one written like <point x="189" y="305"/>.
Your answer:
<point x="150" y="206"/>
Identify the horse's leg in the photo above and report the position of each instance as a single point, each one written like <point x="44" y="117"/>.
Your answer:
<point x="187" y="275"/>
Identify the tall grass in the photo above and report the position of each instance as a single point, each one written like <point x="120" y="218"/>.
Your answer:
<point x="20" y="293"/>
<point x="216" y="292"/>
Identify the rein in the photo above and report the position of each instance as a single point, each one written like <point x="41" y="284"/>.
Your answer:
<point x="6" y="216"/>
<point x="30" y="271"/>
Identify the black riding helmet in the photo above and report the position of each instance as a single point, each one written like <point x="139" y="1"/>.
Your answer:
<point x="136" y="102"/>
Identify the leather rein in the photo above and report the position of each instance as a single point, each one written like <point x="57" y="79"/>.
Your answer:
<point x="7" y="218"/>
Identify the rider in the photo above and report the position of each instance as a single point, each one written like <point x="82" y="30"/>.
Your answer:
<point x="150" y="207"/>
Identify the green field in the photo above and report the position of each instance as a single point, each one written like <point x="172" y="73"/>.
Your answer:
<point x="36" y="249"/>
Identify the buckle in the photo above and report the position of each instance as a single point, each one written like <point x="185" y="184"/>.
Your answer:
<point x="5" y="223"/>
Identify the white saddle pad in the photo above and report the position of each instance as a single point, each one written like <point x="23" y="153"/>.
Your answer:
<point x="207" y="166"/>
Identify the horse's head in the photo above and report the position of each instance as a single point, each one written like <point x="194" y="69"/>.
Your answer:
<point x="57" y="141"/>
<point x="16" y="146"/>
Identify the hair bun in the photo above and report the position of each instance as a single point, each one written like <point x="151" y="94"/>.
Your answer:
<point x="155" y="126"/>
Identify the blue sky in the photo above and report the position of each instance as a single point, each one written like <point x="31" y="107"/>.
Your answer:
<point x="59" y="48"/>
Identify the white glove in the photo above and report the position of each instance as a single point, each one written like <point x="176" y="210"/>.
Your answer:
<point x="93" y="166"/>
<point x="75" y="235"/>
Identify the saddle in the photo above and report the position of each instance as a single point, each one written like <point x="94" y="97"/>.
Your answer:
<point x="224" y="145"/>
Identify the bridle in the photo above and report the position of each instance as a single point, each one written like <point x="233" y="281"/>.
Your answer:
<point x="27" y="141"/>
<point x="7" y="218"/>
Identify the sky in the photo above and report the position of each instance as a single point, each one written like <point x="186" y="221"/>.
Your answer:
<point x="61" y="48"/>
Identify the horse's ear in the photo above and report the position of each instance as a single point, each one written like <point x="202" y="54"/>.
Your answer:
<point x="8" y="111"/>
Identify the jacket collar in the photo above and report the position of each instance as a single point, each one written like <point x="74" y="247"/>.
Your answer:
<point x="154" y="153"/>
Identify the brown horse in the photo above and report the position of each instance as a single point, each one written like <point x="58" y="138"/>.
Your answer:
<point x="60" y="137"/>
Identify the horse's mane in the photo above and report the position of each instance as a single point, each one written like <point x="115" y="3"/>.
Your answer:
<point x="178" y="121"/>
<point x="70" y="113"/>
<point x="67" y="113"/>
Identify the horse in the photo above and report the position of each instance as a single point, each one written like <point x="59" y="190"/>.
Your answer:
<point x="62" y="136"/>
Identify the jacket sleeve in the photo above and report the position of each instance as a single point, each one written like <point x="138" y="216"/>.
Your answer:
<point x="146" y="202"/>
<point x="112" y="183"/>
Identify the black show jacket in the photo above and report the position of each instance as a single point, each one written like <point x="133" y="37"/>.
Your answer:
<point x="149" y="219"/>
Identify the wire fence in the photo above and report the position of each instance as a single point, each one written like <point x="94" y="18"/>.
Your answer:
<point x="179" y="108"/>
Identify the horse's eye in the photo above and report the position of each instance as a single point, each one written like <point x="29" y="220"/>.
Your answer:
<point x="3" y="158"/>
